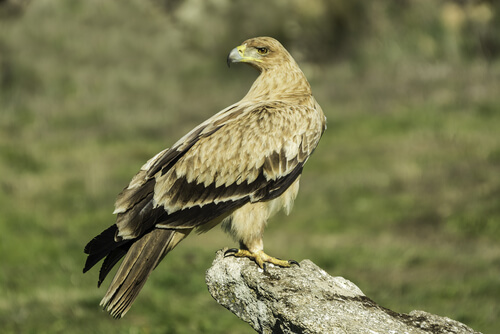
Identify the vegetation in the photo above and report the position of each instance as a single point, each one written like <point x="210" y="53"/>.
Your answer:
<point x="401" y="196"/>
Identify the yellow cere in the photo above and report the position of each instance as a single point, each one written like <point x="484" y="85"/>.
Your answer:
<point x="241" y="49"/>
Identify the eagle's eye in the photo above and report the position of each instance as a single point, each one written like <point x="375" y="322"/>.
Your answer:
<point x="262" y="51"/>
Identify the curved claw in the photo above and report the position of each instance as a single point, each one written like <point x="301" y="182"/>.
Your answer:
<point x="231" y="252"/>
<point x="293" y="262"/>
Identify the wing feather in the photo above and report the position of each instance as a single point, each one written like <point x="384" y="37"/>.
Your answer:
<point x="247" y="153"/>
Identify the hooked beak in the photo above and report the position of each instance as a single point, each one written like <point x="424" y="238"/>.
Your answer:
<point x="236" y="55"/>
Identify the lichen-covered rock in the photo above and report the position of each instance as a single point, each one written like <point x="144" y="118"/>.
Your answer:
<point x="306" y="299"/>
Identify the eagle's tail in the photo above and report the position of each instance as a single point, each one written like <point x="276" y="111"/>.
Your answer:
<point x="140" y="260"/>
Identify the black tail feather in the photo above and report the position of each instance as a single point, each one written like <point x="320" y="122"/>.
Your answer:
<point x="101" y="246"/>
<point x="111" y="260"/>
<point x="141" y="256"/>
<point x="140" y="260"/>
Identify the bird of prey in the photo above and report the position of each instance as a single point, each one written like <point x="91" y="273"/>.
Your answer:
<point x="237" y="168"/>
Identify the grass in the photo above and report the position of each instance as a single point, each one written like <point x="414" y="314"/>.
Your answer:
<point x="401" y="196"/>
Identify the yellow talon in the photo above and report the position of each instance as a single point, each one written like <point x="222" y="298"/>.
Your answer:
<point x="260" y="258"/>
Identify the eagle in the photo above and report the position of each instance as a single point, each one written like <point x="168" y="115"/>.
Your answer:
<point x="237" y="169"/>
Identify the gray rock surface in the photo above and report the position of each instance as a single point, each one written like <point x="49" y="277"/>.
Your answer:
<point x="306" y="299"/>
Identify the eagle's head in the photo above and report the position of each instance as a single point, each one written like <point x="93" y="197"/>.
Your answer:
<point x="263" y="53"/>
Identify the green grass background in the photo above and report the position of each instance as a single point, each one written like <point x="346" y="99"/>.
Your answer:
<point x="402" y="196"/>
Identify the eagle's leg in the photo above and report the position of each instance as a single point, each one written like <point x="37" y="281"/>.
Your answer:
<point x="260" y="257"/>
<point x="247" y="225"/>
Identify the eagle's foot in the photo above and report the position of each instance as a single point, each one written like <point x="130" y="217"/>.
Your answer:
<point x="260" y="258"/>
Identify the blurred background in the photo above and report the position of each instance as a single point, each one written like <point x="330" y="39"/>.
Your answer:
<point x="402" y="196"/>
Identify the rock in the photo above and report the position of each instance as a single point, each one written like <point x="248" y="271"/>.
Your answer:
<point x="306" y="299"/>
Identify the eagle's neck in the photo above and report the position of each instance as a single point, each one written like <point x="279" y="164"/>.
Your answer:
<point x="284" y="83"/>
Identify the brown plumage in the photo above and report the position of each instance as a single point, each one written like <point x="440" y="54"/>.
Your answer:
<point x="239" y="167"/>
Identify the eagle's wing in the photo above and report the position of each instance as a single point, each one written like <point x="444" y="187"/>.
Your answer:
<point x="247" y="153"/>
